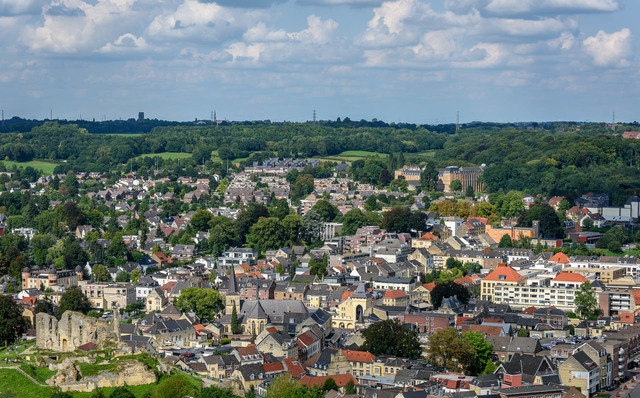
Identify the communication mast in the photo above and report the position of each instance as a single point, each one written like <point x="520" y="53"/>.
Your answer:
<point x="457" y="121"/>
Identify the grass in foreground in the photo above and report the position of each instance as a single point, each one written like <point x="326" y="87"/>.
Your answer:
<point x="15" y="384"/>
<point x="362" y="154"/>
<point x="45" y="167"/>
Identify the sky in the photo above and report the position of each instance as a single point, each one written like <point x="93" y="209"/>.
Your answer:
<point x="416" y="61"/>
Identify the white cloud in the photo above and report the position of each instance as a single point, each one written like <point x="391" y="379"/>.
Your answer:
<point x="126" y="42"/>
<point x="267" y="45"/>
<point x="610" y="48"/>
<point x="77" y="26"/>
<point x="203" y="22"/>
<point x="512" y="7"/>
<point x="566" y="41"/>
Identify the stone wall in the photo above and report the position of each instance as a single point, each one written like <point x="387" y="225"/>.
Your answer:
<point x="130" y="373"/>
<point x="73" y="330"/>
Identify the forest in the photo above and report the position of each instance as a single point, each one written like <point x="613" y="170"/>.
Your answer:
<point x="549" y="159"/>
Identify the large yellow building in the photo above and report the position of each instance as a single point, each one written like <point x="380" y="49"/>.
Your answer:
<point x="466" y="175"/>
<point x="351" y="312"/>
<point x="50" y="278"/>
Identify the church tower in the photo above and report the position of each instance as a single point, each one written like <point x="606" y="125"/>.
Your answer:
<point x="233" y="296"/>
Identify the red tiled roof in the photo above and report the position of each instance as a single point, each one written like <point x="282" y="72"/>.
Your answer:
<point x="428" y="236"/>
<point x="358" y="356"/>
<point x="627" y="317"/>
<point x="560" y="257"/>
<point x="273" y="367"/>
<point x="394" y="294"/>
<point x="272" y="330"/>
<point x="29" y="300"/>
<point x="294" y="367"/>
<point x="429" y="286"/>
<point x="529" y="310"/>
<point x="341" y="380"/>
<point x="346" y="295"/>
<point x="570" y="277"/>
<point x="504" y="274"/>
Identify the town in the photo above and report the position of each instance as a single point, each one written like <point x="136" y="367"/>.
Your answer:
<point x="308" y="277"/>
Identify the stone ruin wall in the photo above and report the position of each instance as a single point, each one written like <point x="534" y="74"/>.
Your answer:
<point x="73" y="330"/>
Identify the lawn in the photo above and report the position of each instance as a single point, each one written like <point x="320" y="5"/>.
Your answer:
<point x="93" y="369"/>
<point x="40" y="374"/>
<point x="15" y="384"/>
<point x="126" y="134"/>
<point x="362" y="154"/>
<point x="46" y="167"/>
<point x="166" y="155"/>
<point x="352" y="156"/>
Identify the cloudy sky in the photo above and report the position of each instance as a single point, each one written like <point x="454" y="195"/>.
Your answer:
<point x="401" y="60"/>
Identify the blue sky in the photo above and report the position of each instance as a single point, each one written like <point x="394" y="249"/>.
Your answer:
<point x="403" y="60"/>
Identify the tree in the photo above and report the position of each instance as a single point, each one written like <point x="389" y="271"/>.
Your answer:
<point x="121" y="392"/>
<point x="173" y="387"/>
<point x="550" y="225"/>
<point x="235" y="327"/>
<point x="329" y="384"/>
<point x="448" y="349"/>
<point x="135" y="276"/>
<point x="206" y="303"/>
<point x="326" y="210"/>
<point x="286" y="386"/>
<point x="385" y="178"/>
<point x="444" y="290"/>
<point x="200" y="220"/>
<point x="73" y="300"/>
<point x="13" y="324"/>
<point x="44" y="305"/>
<point x="392" y="338"/>
<point x="100" y="273"/>
<point x="505" y="241"/>
<point x="318" y="268"/>
<point x="302" y="187"/>
<point x="350" y="388"/>
<point x="429" y="177"/>
<point x="216" y="392"/>
<point x="123" y="276"/>
<point x="522" y="332"/>
<point x="470" y="193"/>
<point x="614" y="246"/>
<point x="117" y="248"/>
<point x="586" y="301"/>
<point x="483" y="351"/>
<point x="312" y="226"/>
<point x="402" y="219"/>
<point x="61" y="394"/>
<point x="353" y="220"/>
<point x="456" y="185"/>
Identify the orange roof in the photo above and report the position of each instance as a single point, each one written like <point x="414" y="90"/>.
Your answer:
<point x="305" y="340"/>
<point x="636" y="297"/>
<point x="560" y="257"/>
<point x="486" y="329"/>
<point x="294" y="367"/>
<point x="346" y="295"/>
<point x="168" y="286"/>
<point x="570" y="277"/>
<point x="626" y="317"/>
<point x="200" y="327"/>
<point x="504" y="274"/>
<point x="394" y="294"/>
<point x="358" y="356"/>
<point x="341" y="380"/>
<point x="273" y="367"/>
<point x="529" y="310"/>
<point x="428" y="236"/>
<point x="493" y="320"/>
<point x="465" y="280"/>
<point x="429" y="286"/>
<point x="29" y="300"/>
<point x="461" y="319"/>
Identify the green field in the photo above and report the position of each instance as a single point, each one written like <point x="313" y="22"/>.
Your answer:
<point x="352" y="156"/>
<point x="46" y="167"/>
<point x="166" y="155"/>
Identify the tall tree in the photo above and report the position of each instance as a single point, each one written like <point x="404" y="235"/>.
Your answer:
<point x="448" y="349"/>
<point x="391" y="338"/>
<point x="326" y="210"/>
<point x="73" y="300"/>
<point x="505" y="241"/>
<point x="13" y="324"/>
<point x="483" y="351"/>
<point x="100" y="273"/>
<point x="429" y="177"/>
<point x="586" y="301"/>
<point x="235" y="327"/>
<point x="206" y="303"/>
<point x="455" y="186"/>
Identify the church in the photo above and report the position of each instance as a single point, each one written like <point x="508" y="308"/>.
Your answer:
<point x="254" y="316"/>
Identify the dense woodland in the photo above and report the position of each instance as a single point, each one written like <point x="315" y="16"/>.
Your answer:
<point x="547" y="159"/>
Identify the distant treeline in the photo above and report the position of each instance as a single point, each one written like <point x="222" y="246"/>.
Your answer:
<point x="548" y="158"/>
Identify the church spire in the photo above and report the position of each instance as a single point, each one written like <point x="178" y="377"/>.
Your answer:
<point x="233" y="285"/>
